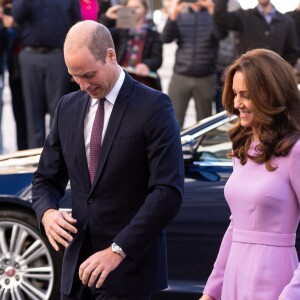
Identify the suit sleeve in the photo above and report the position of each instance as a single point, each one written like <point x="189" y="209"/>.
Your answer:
<point x="292" y="290"/>
<point x="109" y="23"/>
<point x="214" y="283"/>
<point x="50" y="179"/>
<point x="21" y="10"/>
<point x="170" y="32"/>
<point x="291" y="51"/>
<point x="166" y="179"/>
<point x="222" y="17"/>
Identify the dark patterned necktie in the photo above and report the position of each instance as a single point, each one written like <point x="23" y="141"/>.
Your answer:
<point x="96" y="139"/>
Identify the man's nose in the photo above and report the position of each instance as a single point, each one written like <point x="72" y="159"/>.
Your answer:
<point x="83" y="84"/>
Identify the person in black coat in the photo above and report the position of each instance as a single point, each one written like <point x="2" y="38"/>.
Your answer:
<point x="295" y="15"/>
<point x="191" y="26"/>
<point x="260" y="27"/>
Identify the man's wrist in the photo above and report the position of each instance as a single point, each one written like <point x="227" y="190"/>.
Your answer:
<point x="117" y="249"/>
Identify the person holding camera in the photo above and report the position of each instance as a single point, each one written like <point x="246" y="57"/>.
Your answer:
<point x="137" y="41"/>
<point x="191" y="25"/>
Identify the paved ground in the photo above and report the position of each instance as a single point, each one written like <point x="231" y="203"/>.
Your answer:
<point x="8" y="123"/>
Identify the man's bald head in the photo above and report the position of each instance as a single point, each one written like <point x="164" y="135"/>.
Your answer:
<point x="92" y="35"/>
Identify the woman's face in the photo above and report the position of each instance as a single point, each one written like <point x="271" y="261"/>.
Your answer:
<point x="140" y="10"/>
<point x="242" y="102"/>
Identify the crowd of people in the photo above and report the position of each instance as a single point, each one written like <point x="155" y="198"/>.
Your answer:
<point x="116" y="137"/>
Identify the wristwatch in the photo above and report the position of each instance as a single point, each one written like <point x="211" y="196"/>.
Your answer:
<point x="117" y="249"/>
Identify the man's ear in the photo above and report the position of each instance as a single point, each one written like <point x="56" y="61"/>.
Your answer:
<point x="111" y="55"/>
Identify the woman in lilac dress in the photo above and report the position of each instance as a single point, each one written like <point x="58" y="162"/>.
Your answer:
<point x="257" y="258"/>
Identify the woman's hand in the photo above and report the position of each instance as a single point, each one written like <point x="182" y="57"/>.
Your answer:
<point x="142" y="69"/>
<point x="8" y="21"/>
<point x="112" y="12"/>
<point x="206" y="297"/>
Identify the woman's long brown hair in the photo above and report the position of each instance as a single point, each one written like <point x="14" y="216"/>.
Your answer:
<point x="275" y="96"/>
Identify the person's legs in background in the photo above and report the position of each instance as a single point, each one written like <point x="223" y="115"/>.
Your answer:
<point x="180" y="94"/>
<point x="33" y="90"/>
<point x="219" y="91"/>
<point x="1" y="93"/>
<point x="18" y="106"/>
<point x="17" y="100"/>
<point x="57" y="80"/>
<point x="203" y="92"/>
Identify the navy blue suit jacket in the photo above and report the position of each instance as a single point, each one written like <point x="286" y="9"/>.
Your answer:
<point x="137" y="190"/>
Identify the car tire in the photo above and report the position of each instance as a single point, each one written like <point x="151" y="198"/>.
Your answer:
<point x="29" y="267"/>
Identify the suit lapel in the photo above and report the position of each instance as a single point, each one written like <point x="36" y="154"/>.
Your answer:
<point x="80" y="143"/>
<point x="114" y="124"/>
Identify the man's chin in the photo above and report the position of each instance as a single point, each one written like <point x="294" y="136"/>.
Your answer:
<point x="95" y="95"/>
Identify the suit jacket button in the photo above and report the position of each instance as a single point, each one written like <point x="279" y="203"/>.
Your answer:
<point x="91" y="201"/>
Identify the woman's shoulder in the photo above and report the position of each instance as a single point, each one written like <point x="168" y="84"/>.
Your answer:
<point x="296" y="148"/>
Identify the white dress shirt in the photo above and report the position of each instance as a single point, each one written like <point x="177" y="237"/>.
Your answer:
<point x="91" y="112"/>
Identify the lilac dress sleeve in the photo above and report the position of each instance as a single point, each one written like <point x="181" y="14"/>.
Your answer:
<point x="213" y="287"/>
<point x="292" y="290"/>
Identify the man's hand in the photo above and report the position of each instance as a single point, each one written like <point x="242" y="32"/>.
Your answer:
<point x="177" y="7"/>
<point x="208" y="4"/>
<point x="57" y="225"/>
<point x="98" y="266"/>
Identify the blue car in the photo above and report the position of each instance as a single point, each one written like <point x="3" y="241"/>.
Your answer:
<point x="30" y="269"/>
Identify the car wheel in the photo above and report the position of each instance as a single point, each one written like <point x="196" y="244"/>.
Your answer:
<point x="29" y="266"/>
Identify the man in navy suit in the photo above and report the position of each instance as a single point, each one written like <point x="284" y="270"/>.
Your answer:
<point x="115" y="239"/>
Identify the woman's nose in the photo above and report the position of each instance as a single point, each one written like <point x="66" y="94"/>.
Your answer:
<point x="237" y="102"/>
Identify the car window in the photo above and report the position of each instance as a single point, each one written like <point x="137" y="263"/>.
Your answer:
<point x="214" y="145"/>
